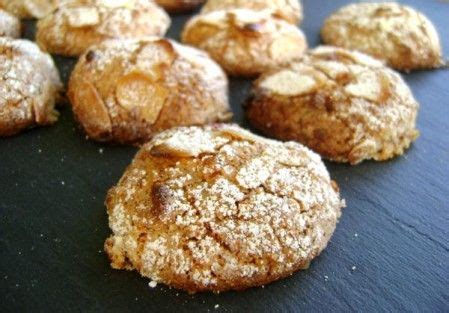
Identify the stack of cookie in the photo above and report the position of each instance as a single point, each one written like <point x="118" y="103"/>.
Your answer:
<point x="207" y="206"/>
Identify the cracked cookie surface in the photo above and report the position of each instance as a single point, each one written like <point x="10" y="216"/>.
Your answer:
<point x="343" y="104"/>
<point x="77" y="25"/>
<point x="397" y="34"/>
<point x="125" y="91"/>
<point x="289" y="10"/>
<point x="245" y="42"/>
<point x="29" y="86"/>
<point x="218" y="208"/>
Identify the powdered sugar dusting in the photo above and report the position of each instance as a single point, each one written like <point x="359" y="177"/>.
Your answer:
<point x="225" y="213"/>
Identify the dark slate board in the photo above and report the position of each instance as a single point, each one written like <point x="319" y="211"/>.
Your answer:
<point x="390" y="250"/>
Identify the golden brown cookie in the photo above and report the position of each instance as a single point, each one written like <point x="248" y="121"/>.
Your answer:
<point x="343" y="104"/>
<point x="30" y="8"/>
<point x="77" y="25"/>
<point x="289" y="10"/>
<point x="245" y="42"/>
<point x="9" y="25"/>
<point x="29" y="86"/>
<point x="127" y="90"/>
<point x="397" y="34"/>
<point x="179" y="5"/>
<point x="218" y="208"/>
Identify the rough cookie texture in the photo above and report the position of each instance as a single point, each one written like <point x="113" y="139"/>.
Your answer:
<point x="289" y="10"/>
<point x="179" y="5"/>
<point x="30" y="8"/>
<point x="218" y="208"/>
<point x="9" y="25"/>
<point x="343" y="104"/>
<point x="77" y="25"/>
<point x="29" y="86"/>
<point x="398" y="34"/>
<point x="127" y="90"/>
<point x="245" y="42"/>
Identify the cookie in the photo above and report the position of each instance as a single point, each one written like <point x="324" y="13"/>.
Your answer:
<point x="245" y="42"/>
<point x="343" y="104"/>
<point x="30" y="8"/>
<point x="218" y="208"/>
<point x="29" y="86"/>
<point x="125" y="91"/>
<point x="176" y="6"/>
<point x="9" y="25"/>
<point x="289" y="10"/>
<point x="77" y="25"/>
<point x="401" y="36"/>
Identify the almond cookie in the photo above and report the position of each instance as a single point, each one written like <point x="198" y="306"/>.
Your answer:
<point x="218" y="208"/>
<point x="9" y="25"/>
<point x="29" y="86"/>
<point x="77" y="25"/>
<point x="289" y="10"/>
<point x="30" y="8"/>
<point x="179" y="5"/>
<point x="397" y="34"/>
<point x="343" y="104"/>
<point x="127" y="90"/>
<point x="245" y="42"/>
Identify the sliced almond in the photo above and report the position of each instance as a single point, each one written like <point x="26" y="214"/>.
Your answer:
<point x="332" y="69"/>
<point x="338" y="54"/>
<point x="239" y="133"/>
<point x="242" y="17"/>
<point x="213" y="18"/>
<point x="83" y="17"/>
<point x="91" y="110"/>
<point x="38" y="8"/>
<point x="154" y="55"/>
<point x="187" y="142"/>
<point x="367" y="86"/>
<point x="138" y="92"/>
<point x="119" y="3"/>
<point x="286" y="49"/>
<point x="289" y="83"/>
